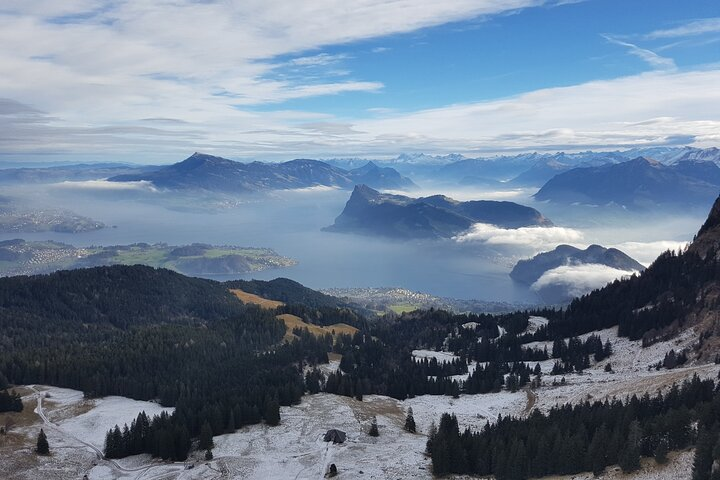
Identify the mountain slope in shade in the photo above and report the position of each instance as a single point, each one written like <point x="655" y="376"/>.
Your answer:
<point x="638" y="183"/>
<point x="530" y="270"/>
<point x="207" y="172"/>
<point x="678" y="291"/>
<point x="370" y="212"/>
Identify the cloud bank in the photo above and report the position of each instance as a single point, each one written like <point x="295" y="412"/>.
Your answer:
<point x="104" y="185"/>
<point x="536" y="238"/>
<point x="578" y="280"/>
<point x="647" y="252"/>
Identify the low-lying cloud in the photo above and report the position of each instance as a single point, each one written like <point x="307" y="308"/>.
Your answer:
<point x="579" y="279"/>
<point x="105" y="185"/>
<point x="537" y="238"/>
<point x="647" y="252"/>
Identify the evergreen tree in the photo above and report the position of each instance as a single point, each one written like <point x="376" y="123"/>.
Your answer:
<point x="432" y="433"/>
<point x="410" y="421"/>
<point x="702" y="464"/>
<point x="661" y="451"/>
<point x="373" y="432"/>
<point x="43" y="448"/>
<point x="3" y="382"/>
<point x="630" y="456"/>
<point x="208" y="455"/>
<point x="206" y="437"/>
<point x="597" y="456"/>
<point x="230" y="426"/>
<point x="272" y="412"/>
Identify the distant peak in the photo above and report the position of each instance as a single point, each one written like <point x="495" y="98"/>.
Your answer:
<point x="364" y="190"/>
<point x="644" y="161"/>
<point x="198" y="158"/>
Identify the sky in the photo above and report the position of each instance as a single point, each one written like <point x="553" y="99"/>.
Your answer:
<point x="154" y="81"/>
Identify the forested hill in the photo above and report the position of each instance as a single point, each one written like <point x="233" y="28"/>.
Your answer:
<point x="152" y="334"/>
<point x="118" y="295"/>
<point x="286" y="291"/>
<point x="678" y="290"/>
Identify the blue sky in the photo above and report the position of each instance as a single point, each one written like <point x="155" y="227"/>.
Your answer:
<point x="488" y="58"/>
<point x="275" y="79"/>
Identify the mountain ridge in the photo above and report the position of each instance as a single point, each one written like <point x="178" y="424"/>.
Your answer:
<point x="208" y="172"/>
<point x="638" y="183"/>
<point x="370" y="212"/>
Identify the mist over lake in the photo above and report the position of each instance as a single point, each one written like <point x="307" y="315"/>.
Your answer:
<point x="290" y="222"/>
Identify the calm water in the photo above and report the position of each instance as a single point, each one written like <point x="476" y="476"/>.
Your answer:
<point x="290" y="223"/>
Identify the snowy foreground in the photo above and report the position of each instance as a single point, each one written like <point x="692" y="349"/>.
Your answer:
<point x="294" y="450"/>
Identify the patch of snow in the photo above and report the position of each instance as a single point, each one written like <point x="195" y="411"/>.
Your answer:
<point x="107" y="412"/>
<point x="442" y="357"/>
<point x="534" y="323"/>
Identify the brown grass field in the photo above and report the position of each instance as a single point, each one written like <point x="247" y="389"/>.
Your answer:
<point x="292" y="322"/>
<point x="246" y="297"/>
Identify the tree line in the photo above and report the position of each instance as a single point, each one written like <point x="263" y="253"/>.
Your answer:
<point x="570" y="439"/>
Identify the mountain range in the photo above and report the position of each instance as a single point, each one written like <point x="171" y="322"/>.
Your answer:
<point x="638" y="183"/>
<point x="370" y="212"/>
<point x="526" y="169"/>
<point x="207" y="172"/>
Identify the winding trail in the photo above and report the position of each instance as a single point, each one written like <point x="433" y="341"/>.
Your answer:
<point x="140" y="471"/>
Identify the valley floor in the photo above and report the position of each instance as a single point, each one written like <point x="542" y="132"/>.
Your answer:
<point x="294" y="450"/>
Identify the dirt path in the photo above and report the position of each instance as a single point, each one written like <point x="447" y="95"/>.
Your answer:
<point x="532" y="398"/>
<point x="141" y="471"/>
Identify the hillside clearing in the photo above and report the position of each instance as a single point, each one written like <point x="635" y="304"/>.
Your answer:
<point x="292" y="322"/>
<point x="251" y="298"/>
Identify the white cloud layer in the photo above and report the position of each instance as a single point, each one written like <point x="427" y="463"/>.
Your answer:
<point x="105" y="185"/>
<point x="647" y="252"/>
<point x="536" y="238"/>
<point x="578" y="280"/>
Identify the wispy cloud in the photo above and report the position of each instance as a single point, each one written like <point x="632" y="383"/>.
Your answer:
<point x="321" y="59"/>
<point x="696" y="27"/>
<point x="651" y="58"/>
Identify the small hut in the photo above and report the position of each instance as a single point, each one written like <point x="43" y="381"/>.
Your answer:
<point x="335" y="436"/>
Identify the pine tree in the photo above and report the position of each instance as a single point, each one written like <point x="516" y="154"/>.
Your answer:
<point x="43" y="448"/>
<point x="272" y="412"/>
<point x="3" y="382"/>
<point x="208" y="455"/>
<point x="230" y="427"/>
<point x="373" y="432"/>
<point x="597" y="457"/>
<point x="702" y="464"/>
<point x="410" y="421"/>
<point x="110" y="449"/>
<point x="206" y="437"/>
<point x="432" y="433"/>
<point x="166" y="444"/>
<point x="661" y="451"/>
<point x="630" y="456"/>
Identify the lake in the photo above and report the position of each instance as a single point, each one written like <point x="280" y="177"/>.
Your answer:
<point x="290" y="222"/>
